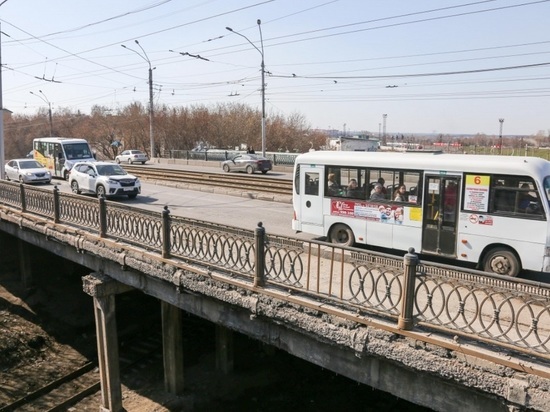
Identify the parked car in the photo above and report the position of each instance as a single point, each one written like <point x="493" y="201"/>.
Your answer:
<point x="248" y="163"/>
<point x="27" y="171"/>
<point x="103" y="179"/>
<point x="131" y="157"/>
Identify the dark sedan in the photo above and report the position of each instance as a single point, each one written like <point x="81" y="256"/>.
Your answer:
<point x="248" y="163"/>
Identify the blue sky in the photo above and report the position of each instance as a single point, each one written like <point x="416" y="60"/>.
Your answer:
<point x="439" y="66"/>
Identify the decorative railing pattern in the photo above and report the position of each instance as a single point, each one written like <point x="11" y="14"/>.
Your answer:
<point x="512" y="312"/>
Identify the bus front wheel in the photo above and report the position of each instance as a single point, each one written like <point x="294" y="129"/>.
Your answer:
<point x="501" y="261"/>
<point x="341" y="235"/>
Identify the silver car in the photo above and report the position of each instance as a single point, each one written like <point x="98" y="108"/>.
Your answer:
<point x="248" y="163"/>
<point x="131" y="157"/>
<point x="27" y="171"/>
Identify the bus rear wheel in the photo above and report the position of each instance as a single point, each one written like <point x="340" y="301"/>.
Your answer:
<point x="501" y="261"/>
<point x="341" y="235"/>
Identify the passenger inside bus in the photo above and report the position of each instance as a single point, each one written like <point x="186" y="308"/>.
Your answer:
<point x="400" y="194"/>
<point x="377" y="194"/>
<point x="527" y="202"/>
<point x="332" y="185"/>
<point x="354" y="190"/>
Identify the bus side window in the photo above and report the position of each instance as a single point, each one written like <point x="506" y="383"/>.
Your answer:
<point x="312" y="184"/>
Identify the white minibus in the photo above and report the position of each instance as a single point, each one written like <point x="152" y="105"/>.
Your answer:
<point x="489" y="210"/>
<point x="59" y="154"/>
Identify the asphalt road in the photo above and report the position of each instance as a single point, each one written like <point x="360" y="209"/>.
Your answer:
<point x="212" y="207"/>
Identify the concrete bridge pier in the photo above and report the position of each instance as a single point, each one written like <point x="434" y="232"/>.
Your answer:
<point x="103" y="289"/>
<point x="224" y="350"/>
<point x="24" y="255"/>
<point x="172" y="344"/>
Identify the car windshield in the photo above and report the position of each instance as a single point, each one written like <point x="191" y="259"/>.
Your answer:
<point x="110" y="170"/>
<point x="136" y="152"/>
<point x="30" y="164"/>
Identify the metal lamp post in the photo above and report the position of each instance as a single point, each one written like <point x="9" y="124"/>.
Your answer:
<point x="500" y="134"/>
<point x="146" y="58"/>
<point x="263" y="75"/>
<point x="45" y="99"/>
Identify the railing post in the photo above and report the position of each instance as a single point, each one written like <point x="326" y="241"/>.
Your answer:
<point x="410" y="261"/>
<point x="259" y="238"/>
<point x="23" y="199"/>
<point x="56" y="210"/>
<point x="166" y="233"/>
<point x="102" y="216"/>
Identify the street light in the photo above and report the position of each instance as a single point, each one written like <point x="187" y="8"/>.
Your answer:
<point x="45" y="99"/>
<point x="263" y="75"/>
<point x="500" y="134"/>
<point x="146" y="58"/>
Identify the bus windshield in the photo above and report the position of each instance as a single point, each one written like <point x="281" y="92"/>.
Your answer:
<point x="76" y="151"/>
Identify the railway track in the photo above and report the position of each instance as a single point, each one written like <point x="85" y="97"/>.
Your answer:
<point x="237" y="181"/>
<point x="68" y="390"/>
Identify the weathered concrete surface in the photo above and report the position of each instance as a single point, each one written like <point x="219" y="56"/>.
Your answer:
<point x="369" y="350"/>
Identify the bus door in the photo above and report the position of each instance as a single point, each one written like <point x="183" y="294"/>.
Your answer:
<point x="58" y="158"/>
<point x="311" y="199"/>
<point x="439" y="223"/>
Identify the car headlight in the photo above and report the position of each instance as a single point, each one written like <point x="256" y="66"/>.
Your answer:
<point x="29" y="173"/>
<point x="112" y="182"/>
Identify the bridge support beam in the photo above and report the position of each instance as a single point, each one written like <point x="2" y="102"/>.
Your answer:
<point x="172" y="344"/>
<point x="224" y="349"/>
<point x="103" y="290"/>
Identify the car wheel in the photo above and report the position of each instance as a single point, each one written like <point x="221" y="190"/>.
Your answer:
<point x="7" y="177"/>
<point x="130" y="162"/>
<point x="341" y="235"/>
<point x="74" y="187"/>
<point x="264" y="172"/>
<point x="501" y="261"/>
<point x="249" y="170"/>
<point x="21" y="180"/>
<point x="66" y="175"/>
<point x="132" y="196"/>
<point x="226" y="168"/>
<point x="117" y="160"/>
<point x="100" y="191"/>
<point x="142" y="163"/>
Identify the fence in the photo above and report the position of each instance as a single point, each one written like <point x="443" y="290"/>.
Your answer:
<point x="278" y="159"/>
<point x="513" y="313"/>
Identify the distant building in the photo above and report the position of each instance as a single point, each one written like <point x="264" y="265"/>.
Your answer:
<point x="354" y="143"/>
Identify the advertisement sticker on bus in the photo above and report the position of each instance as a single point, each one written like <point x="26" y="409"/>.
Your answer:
<point x="476" y="193"/>
<point x="368" y="211"/>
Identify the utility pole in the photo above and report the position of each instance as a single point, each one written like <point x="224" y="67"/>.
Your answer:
<point x="2" y="156"/>
<point x="501" y="120"/>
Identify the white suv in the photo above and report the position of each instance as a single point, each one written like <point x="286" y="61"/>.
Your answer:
<point x="103" y="179"/>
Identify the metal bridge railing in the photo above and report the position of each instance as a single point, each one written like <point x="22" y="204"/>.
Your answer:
<point x="513" y="313"/>
<point x="216" y="155"/>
